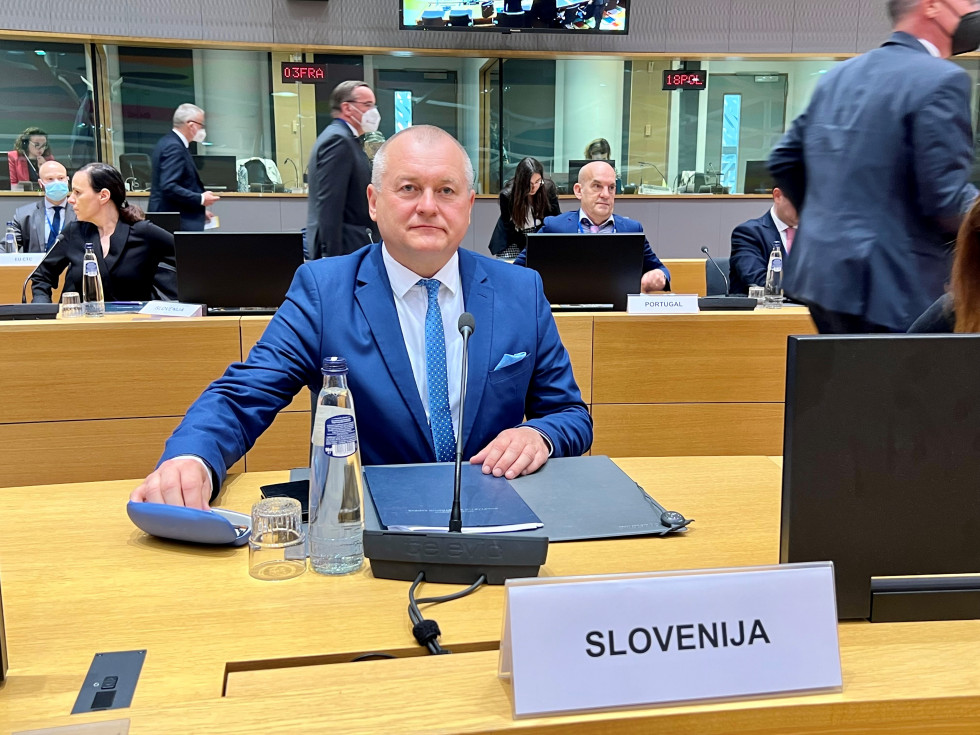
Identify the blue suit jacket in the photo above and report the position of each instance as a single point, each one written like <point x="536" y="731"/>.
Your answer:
<point x="568" y="222"/>
<point x="344" y="306"/>
<point x="878" y="166"/>
<point x="751" y="244"/>
<point x="176" y="185"/>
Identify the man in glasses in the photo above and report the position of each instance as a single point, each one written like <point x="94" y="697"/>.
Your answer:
<point x="337" y="220"/>
<point x="177" y="186"/>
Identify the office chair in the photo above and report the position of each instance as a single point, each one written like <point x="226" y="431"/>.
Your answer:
<point x="511" y="20"/>
<point x="715" y="284"/>
<point x="136" y="170"/>
<point x="460" y="18"/>
<point x="257" y="175"/>
<point x="432" y="19"/>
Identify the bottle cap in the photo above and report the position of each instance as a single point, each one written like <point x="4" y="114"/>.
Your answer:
<point x="334" y="365"/>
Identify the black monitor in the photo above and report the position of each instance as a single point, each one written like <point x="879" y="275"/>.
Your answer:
<point x="881" y="464"/>
<point x="170" y="221"/>
<point x="218" y="173"/>
<point x="757" y="179"/>
<point x="575" y="166"/>
<point x="517" y="16"/>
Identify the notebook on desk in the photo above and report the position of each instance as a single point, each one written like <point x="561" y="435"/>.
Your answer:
<point x="587" y="272"/>
<point x="236" y="273"/>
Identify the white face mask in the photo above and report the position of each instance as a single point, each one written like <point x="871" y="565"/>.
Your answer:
<point x="370" y="120"/>
<point x="200" y="135"/>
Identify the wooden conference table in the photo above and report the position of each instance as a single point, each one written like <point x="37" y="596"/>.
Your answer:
<point x="95" y="399"/>
<point x="227" y="653"/>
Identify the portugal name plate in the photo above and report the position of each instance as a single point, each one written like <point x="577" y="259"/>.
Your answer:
<point x="662" y="303"/>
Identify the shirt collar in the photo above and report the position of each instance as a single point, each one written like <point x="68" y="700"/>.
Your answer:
<point x="181" y="136"/>
<point x="780" y="225"/>
<point x="930" y="47"/>
<point x="353" y="130"/>
<point x="582" y="215"/>
<point x="402" y="279"/>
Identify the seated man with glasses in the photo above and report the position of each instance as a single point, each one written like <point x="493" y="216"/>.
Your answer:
<point x="176" y="184"/>
<point x="337" y="219"/>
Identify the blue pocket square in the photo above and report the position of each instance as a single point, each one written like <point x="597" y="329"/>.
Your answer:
<point x="508" y="360"/>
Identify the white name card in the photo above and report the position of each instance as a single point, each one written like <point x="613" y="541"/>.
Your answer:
<point x="21" y="259"/>
<point x="583" y="643"/>
<point x="172" y="308"/>
<point x="662" y="303"/>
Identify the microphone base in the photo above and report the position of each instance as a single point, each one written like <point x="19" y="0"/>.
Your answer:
<point x="28" y="311"/>
<point x="454" y="558"/>
<point x="727" y="303"/>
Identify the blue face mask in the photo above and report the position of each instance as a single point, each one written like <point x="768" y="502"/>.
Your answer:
<point x="56" y="190"/>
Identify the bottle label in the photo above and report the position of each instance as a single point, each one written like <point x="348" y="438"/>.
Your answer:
<point x="339" y="436"/>
<point x="91" y="268"/>
<point x="776" y="264"/>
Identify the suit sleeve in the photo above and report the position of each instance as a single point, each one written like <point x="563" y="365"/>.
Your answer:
<point x="746" y="258"/>
<point x="49" y="270"/>
<point x="334" y="169"/>
<point x="22" y="226"/>
<point x="554" y="403"/>
<point x="171" y="166"/>
<point x="224" y="422"/>
<point x="652" y="262"/>
<point x="504" y="233"/>
<point x="786" y="163"/>
<point x="554" y="207"/>
<point x="943" y="153"/>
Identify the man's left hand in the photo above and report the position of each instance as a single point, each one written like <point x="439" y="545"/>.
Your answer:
<point x="514" y="452"/>
<point x="654" y="280"/>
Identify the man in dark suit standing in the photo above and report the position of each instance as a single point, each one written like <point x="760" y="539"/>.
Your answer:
<point x="878" y="166"/>
<point x="337" y="219"/>
<point x="177" y="186"/>
<point x="596" y="189"/>
<point x="752" y="243"/>
<point x="38" y="225"/>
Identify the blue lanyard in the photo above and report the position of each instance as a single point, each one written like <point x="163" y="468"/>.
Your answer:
<point x="50" y="220"/>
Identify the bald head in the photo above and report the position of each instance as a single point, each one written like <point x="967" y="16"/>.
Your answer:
<point x="596" y="189"/>
<point x="50" y="172"/>
<point x="597" y="168"/>
<point x="427" y="136"/>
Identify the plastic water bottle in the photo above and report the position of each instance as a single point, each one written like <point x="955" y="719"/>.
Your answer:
<point x="773" y="296"/>
<point x="336" y="531"/>
<point x="10" y="239"/>
<point x="92" y="299"/>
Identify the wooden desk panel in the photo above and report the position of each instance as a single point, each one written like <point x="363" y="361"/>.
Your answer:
<point x="674" y="429"/>
<point x="575" y="331"/>
<point x="284" y="445"/>
<point x="687" y="275"/>
<point x="12" y="281"/>
<point x="96" y="369"/>
<point x="707" y="357"/>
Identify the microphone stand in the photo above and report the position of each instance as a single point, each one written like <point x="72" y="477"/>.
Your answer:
<point x="724" y="302"/>
<point x="456" y="515"/>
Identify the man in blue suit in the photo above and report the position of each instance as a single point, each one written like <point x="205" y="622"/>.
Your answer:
<point x="879" y="166"/>
<point x="176" y="185"/>
<point x="391" y="309"/>
<point x="596" y="189"/>
<point x="752" y="243"/>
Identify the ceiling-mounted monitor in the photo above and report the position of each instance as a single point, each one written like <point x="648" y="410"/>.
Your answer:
<point x="603" y="17"/>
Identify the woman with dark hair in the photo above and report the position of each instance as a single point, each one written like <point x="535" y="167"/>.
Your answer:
<point x="31" y="149"/>
<point x="959" y="309"/>
<point x="525" y="201"/>
<point x="136" y="258"/>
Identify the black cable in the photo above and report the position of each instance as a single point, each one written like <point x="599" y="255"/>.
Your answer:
<point x="427" y="632"/>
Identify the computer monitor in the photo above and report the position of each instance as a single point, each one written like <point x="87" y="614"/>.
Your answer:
<point x="757" y="179"/>
<point x="881" y="455"/>
<point x="218" y="173"/>
<point x="574" y="166"/>
<point x="170" y="221"/>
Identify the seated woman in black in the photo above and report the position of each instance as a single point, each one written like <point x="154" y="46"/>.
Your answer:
<point x="136" y="258"/>
<point x="959" y="309"/>
<point x="525" y="201"/>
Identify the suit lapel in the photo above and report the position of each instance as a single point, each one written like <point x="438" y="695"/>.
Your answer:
<point x="373" y="295"/>
<point x="39" y="221"/>
<point x="117" y="243"/>
<point x="478" y="301"/>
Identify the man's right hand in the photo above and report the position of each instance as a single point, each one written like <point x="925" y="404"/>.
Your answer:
<point x="210" y="198"/>
<point x="176" y="482"/>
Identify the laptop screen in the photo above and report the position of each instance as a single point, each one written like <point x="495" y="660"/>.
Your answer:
<point x="236" y="269"/>
<point x="597" y="270"/>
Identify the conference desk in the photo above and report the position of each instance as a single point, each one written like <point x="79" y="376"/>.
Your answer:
<point x="95" y="399"/>
<point x="227" y="653"/>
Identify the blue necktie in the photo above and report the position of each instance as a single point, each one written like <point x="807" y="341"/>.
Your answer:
<point x="55" y="229"/>
<point x="440" y="418"/>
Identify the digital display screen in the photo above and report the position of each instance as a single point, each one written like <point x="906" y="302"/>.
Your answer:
<point x="517" y="16"/>
<point x="681" y="79"/>
<point x="293" y="71"/>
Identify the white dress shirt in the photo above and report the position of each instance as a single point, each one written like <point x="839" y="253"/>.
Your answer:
<point x="411" y="303"/>
<point x="49" y="216"/>
<point x="781" y="226"/>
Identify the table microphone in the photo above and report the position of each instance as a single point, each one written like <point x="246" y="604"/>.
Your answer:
<point x="466" y="325"/>
<point x="728" y="287"/>
<point x="724" y="302"/>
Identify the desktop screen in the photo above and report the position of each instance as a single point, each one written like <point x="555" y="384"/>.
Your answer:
<point x="535" y="16"/>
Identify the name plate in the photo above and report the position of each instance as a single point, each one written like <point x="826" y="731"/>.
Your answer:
<point x="612" y="641"/>
<point x="21" y="259"/>
<point x="172" y="308"/>
<point x="665" y="303"/>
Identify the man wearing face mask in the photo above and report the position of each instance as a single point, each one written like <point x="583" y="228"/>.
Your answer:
<point x="878" y="166"/>
<point x="176" y="184"/>
<point x="38" y="225"/>
<point x="337" y="220"/>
